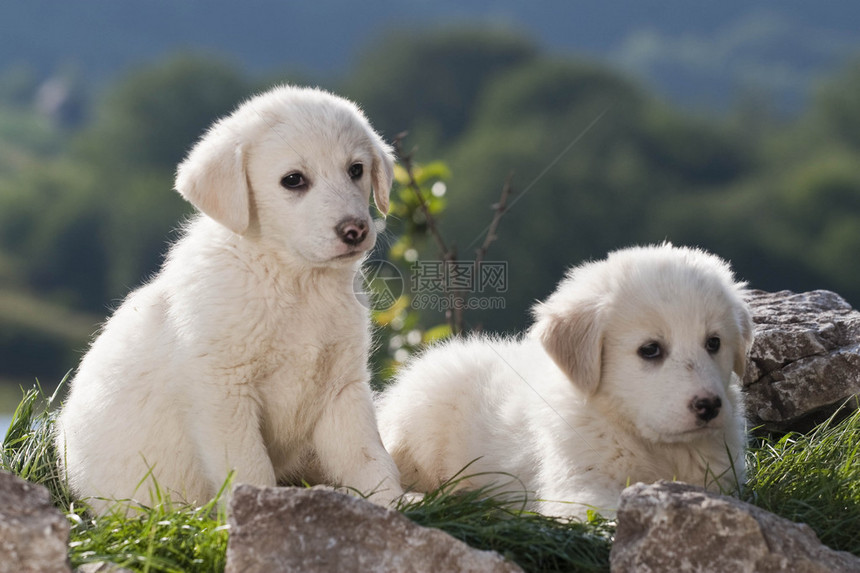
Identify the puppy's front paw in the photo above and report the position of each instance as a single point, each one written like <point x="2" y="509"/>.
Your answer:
<point x="385" y="496"/>
<point x="410" y="497"/>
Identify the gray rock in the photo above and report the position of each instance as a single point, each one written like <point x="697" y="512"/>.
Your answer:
<point x="805" y="361"/>
<point x="298" y="529"/>
<point x="34" y="535"/>
<point x="670" y="526"/>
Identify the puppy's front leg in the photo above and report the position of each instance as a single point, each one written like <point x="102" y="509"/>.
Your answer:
<point x="226" y="430"/>
<point x="348" y="446"/>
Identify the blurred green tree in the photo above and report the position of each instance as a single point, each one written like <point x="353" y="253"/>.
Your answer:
<point x="597" y="160"/>
<point x="837" y="107"/>
<point x="429" y="84"/>
<point x="86" y="226"/>
<point x="153" y="116"/>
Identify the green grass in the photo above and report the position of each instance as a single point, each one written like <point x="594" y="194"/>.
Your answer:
<point x="28" y="449"/>
<point x="484" y="520"/>
<point x="812" y="478"/>
<point x="162" y="538"/>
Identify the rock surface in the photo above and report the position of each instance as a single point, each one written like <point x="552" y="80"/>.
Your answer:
<point x="805" y="361"/>
<point x="298" y="529"/>
<point x="670" y="526"/>
<point x="34" y="535"/>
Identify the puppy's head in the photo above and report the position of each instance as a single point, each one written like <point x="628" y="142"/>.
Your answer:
<point x="294" y="167"/>
<point x="660" y="335"/>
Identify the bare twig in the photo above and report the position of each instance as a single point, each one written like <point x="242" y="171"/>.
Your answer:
<point x="406" y="160"/>
<point x="453" y="315"/>
<point x="499" y="210"/>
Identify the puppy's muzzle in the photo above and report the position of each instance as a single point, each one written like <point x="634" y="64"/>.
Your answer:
<point x="352" y="231"/>
<point x="707" y="408"/>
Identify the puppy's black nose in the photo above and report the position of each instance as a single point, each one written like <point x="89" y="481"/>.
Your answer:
<point x="706" y="409"/>
<point x="351" y="231"/>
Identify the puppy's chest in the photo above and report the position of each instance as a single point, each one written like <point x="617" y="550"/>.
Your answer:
<point x="299" y="345"/>
<point x="304" y="379"/>
<point x="313" y="352"/>
<point x="299" y="332"/>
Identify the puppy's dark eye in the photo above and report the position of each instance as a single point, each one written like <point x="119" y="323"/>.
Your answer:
<point x="712" y="344"/>
<point x="356" y="170"/>
<point x="650" y="351"/>
<point x="294" y="182"/>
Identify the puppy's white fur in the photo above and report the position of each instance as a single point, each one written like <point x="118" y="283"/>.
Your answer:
<point x="572" y="409"/>
<point x="247" y="352"/>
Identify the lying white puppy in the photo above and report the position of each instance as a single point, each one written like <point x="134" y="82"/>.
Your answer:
<point x="248" y="351"/>
<point x="630" y="373"/>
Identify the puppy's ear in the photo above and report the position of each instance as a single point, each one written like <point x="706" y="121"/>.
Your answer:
<point x="574" y="340"/>
<point x="747" y="332"/>
<point x="382" y="173"/>
<point x="213" y="179"/>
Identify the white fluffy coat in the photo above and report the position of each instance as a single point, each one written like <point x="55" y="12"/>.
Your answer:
<point x="571" y="410"/>
<point x="247" y="352"/>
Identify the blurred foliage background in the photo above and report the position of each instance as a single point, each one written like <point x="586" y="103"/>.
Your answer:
<point x="599" y="161"/>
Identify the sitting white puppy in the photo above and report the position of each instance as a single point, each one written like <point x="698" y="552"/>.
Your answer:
<point x="630" y="373"/>
<point x="247" y="352"/>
